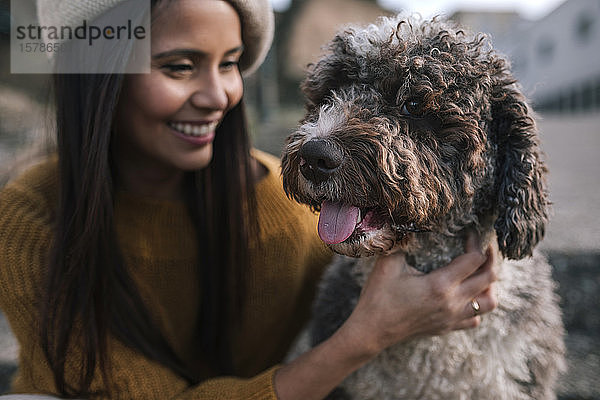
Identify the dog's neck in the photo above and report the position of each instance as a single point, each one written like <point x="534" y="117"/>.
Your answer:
<point x="428" y="251"/>
<point x="431" y="250"/>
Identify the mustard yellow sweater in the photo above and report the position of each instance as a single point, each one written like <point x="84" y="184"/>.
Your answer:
<point x="158" y="246"/>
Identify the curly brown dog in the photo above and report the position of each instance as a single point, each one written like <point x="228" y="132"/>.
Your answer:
<point x="415" y="133"/>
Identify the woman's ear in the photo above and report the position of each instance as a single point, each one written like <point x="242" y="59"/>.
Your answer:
<point x="522" y="197"/>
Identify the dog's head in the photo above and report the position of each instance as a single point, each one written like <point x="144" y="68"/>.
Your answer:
<point x="415" y="126"/>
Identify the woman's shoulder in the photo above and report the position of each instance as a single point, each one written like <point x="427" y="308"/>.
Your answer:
<point x="35" y="190"/>
<point x="269" y="161"/>
<point x="39" y="178"/>
<point x="26" y="214"/>
<point x="269" y="190"/>
<point x="276" y="211"/>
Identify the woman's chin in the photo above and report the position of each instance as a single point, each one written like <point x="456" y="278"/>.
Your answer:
<point x="198" y="159"/>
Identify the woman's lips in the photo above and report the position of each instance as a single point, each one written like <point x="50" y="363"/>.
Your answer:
<point x="197" y="133"/>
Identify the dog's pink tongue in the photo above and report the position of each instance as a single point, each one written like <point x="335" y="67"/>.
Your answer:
<point x="336" y="222"/>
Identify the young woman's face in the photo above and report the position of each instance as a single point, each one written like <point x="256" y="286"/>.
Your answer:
<point x="166" y="119"/>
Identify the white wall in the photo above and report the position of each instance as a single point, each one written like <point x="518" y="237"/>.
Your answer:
<point x="561" y="52"/>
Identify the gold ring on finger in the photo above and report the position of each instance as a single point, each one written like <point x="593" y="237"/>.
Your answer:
<point x="476" y="307"/>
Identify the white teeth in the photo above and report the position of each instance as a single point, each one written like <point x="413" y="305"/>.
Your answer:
<point x="359" y="217"/>
<point x="194" y="129"/>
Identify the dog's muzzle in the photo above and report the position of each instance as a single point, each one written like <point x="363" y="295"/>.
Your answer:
<point x="319" y="160"/>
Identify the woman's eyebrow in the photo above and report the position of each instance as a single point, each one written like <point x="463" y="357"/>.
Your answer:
<point x="192" y="52"/>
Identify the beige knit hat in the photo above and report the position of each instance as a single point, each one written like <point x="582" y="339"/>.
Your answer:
<point x="256" y="17"/>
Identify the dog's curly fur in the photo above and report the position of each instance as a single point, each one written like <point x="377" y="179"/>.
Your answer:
<point x="433" y="138"/>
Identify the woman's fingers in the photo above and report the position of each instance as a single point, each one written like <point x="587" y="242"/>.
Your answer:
<point x="469" y="323"/>
<point x="487" y="300"/>
<point x="482" y="278"/>
<point x="472" y="243"/>
<point x="476" y="307"/>
<point x="462" y="266"/>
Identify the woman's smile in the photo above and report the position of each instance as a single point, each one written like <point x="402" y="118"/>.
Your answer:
<point x="197" y="128"/>
<point x="198" y="133"/>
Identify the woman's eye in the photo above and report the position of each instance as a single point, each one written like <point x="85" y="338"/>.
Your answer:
<point x="413" y="108"/>
<point x="228" y="65"/>
<point x="178" y="67"/>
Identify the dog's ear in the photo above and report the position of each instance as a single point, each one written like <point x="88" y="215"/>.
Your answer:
<point x="522" y="196"/>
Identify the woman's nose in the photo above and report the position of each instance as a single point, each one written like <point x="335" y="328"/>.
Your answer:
<point x="211" y="92"/>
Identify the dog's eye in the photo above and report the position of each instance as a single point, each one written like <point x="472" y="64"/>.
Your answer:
<point x="412" y="108"/>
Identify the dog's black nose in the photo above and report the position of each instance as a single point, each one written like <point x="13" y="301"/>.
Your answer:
<point x="321" y="159"/>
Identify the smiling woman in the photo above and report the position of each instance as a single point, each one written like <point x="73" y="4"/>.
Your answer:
<point x="165" y="121"/>
<point x="157" y="221"/>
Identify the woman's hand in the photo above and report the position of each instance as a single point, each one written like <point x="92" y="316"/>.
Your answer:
<point x="398" y="302"/>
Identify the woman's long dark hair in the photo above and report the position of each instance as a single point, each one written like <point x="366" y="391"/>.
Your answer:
<point x="89" y="293"/>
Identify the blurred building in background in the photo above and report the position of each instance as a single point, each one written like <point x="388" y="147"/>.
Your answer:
<point x="500" y="26"/>
<point x="556" y="58"/>
<point x="301" y="32"/>
<point x="315" y="23"/>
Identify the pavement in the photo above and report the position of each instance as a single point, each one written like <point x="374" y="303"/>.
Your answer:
<point x="572" y="146"/>
<point x="572" y="242"/>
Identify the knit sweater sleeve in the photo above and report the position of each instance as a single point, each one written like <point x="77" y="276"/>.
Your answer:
<point x="25" y="237"/>
<point x="136" y="377"/>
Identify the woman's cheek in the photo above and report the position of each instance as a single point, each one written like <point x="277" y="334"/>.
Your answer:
<point x="236" y="91"/>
